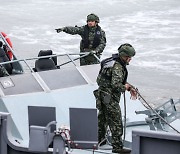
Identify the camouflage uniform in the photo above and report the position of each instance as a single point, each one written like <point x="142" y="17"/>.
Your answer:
<point x="93" y="39"/>
<point x="111" y="80"/>
<point x="92" y="33"/>
<point x="3" y="71"/>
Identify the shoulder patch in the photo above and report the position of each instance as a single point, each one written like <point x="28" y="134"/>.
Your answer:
<point x="98" y="32"/>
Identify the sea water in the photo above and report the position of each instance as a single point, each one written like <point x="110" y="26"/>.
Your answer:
<point x="151" y="26"/>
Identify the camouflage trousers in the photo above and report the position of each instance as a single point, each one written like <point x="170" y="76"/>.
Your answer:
<point x="110" y="115"/>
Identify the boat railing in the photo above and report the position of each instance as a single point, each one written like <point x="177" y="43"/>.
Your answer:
<point x="24" y="65"/>
<point x="28" y="64"/>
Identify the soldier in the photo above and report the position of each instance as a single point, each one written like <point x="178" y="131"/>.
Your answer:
<point x="93" y="39"/>
<point x="112" y="81"/>
<point x="3" y="71"/>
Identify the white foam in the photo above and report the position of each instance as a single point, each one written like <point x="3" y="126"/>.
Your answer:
<point x="152" y="30"/>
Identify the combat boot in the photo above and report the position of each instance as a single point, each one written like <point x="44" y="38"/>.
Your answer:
<point x="122" y="151"/>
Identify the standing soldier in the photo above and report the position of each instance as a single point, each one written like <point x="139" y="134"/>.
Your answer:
<point x="112" y="81"/>
<point x="93" y="39"/>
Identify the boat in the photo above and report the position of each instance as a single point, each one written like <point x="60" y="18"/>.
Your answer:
<point x="47" y="106"/>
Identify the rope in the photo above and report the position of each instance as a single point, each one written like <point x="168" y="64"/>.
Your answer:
<point x="124" y="118"/>
<point x="155" y="111"/>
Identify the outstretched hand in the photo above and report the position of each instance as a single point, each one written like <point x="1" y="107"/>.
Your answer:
<point x="58" y="30"/>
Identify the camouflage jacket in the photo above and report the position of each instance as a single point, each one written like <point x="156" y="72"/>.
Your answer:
<point x="92" y="34"/>
<point x="112" y="76"/>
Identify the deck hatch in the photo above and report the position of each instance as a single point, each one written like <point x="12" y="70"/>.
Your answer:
<point x="62" y="78"/>
<point x="20" y="84"/>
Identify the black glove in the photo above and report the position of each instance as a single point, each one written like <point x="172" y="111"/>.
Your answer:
<point x="58" y="30"/>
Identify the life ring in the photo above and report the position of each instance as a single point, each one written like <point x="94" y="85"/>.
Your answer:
<point x="9" y="52"/>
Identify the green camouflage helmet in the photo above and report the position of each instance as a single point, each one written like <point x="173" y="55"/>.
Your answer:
<point x="126" y="50"/>
<point x="93" y="17"/>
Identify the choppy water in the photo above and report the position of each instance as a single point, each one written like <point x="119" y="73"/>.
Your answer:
<point x="151" y="26"/>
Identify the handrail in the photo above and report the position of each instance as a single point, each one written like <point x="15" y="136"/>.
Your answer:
<point x="50" y="56"/>
<point x="18" y="66"/>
